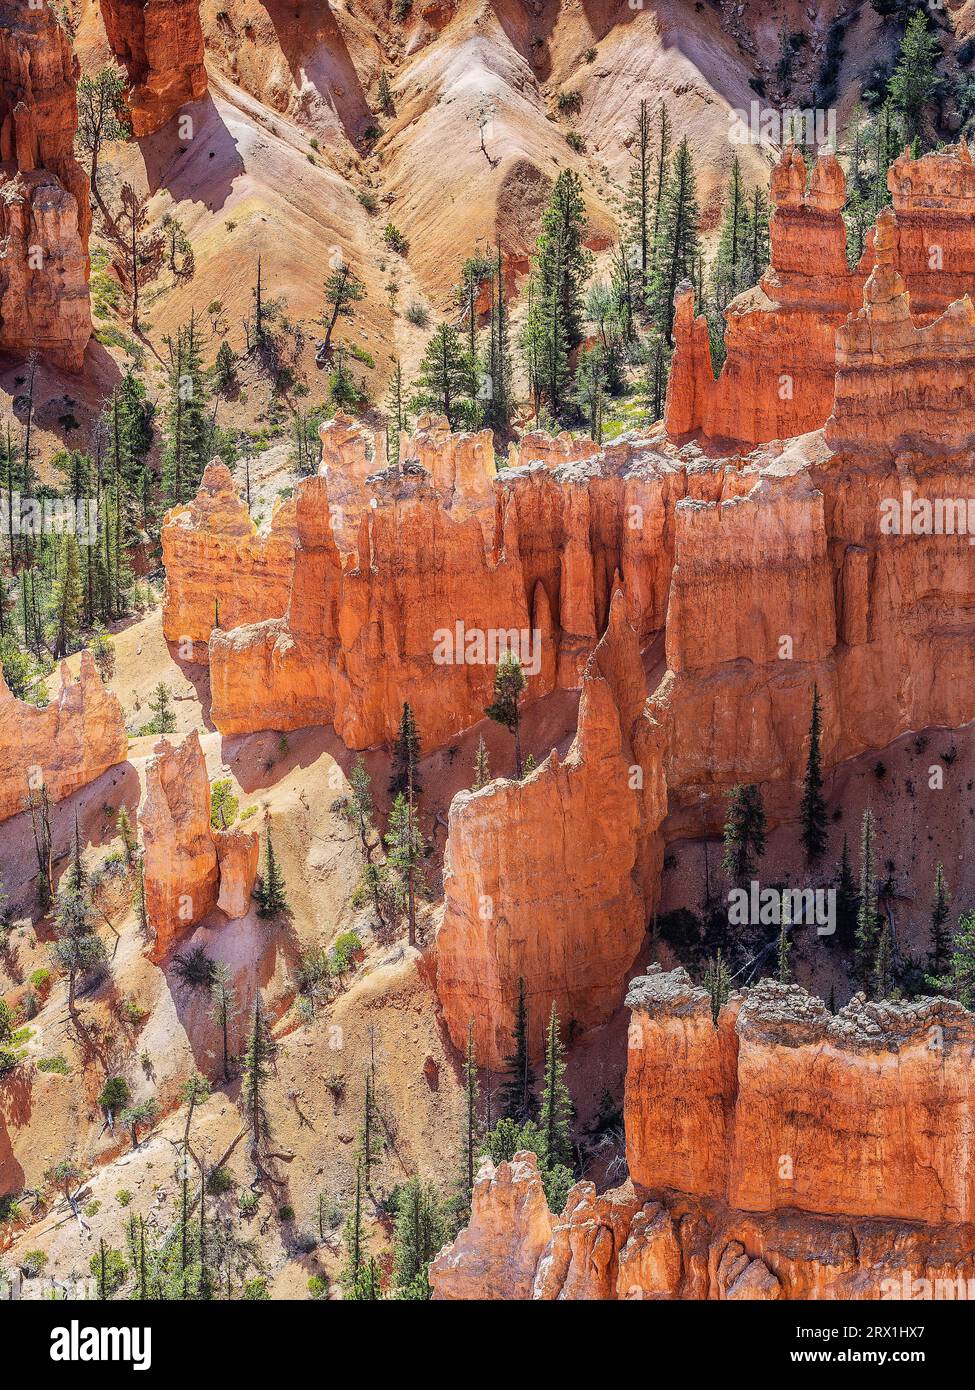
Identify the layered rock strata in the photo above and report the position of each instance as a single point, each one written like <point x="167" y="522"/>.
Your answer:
<point x="160" y="45"/>
<point x="782" y="1153"/>
<point x="45" y="217"/>
<point x="78" y="736"/>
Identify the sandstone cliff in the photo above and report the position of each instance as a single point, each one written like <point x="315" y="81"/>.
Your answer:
<point x="540" y="878"/>
<point x="783" y="1154"/>
<point x="160" y="45"/>
<point x="219" y="571"/>
<point x="45" y="218"/>
<point x="77" y="737"/>
<point x="180" y="856"/>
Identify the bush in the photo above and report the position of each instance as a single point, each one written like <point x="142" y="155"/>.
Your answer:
<point x="418" y="315"/>
<point x="569" y="103"/>
<point x="575" y="141"/>
<point x="345" y="946"/>
<point x="33" y="1263"/>
<point x="55" y="1064"/>
<point x="255" y="1291"/>
<point x="115" y="1093"/>
<point x="223" y="804"/>
<point x="115" y="1273"/>
<point x="368" y="201"/>
<point x="123" y="1196"/>
<point x="219" y="1182"/>
<point x="247" y="1201"/>
<point x="317" y="1286"/>
<point x="286" y="1213"/>
<point x="394" y="239"/>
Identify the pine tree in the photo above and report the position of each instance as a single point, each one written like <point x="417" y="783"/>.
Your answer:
<point x="421" y="1230"/>
<point x="188" y="431"/>
<point x="124" y="827"/>
<point x="343" y="291"/>
<point x="385" y="93"/>
<point x="271" y="896"/>
<point x="509" y="683"/>
<point x="223" y="1008"/>
<point x="518" y="1100"/>
<point x="482" y="771"/>
<point x="352" y="1235"/>
<point x="404" y="847"/>
<point x="139" y="897"/>
<point x="256" y="1064"/>
<point x="366" y="1155"/>
<point x="66" y="602"/>
<point x="556" y="1110"/>
<point x="500" y="404"/>
<point x="471" y="1127"/>
<point x="404" y="778"/>
<point x="744" y="833"/>
<point x="397" y="414"/>
<point x="357" y="807"/>
<point x="758" y="235"/>
<point x="812" y="812"/>
<point x="638" y="210"/>
<point x="443" y="384"/>
<point x="561" y="267"/>
<point x="939" y="955"/>
<point x="883" y="972"/>
<point x="847" y="899"/>
<point x="914" y="82"/>
<point x="961" y="972"/>
<point x="678" y="247"/>
<point x="865" y="950"/>
<point x="783" y="948"/>
<point x="717" y="982"/>
<point x="164" y="717"/>
<point x="732" y="263"/>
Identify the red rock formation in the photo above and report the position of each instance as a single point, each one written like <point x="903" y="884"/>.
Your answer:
<point x="181" y="873"/>
<point x="45" y="218"/>
<point x="785" y="1105"/>
<point x="784" y="1154"/>
<point x="160" y="45"/>
<point x="218" y="566"/>
<point x="541" y="876"/>
<point x="777" y="379"/>
<point x="76" y="738"/>
<point x="901" y="387"/>
<point x="238" y="852"/>
<point x="496" y="1255"/>
<point x="934" y="202"/>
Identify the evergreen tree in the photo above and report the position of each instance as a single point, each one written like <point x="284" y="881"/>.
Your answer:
<point x="257" y="1072"/>
<point x="884" y="964"/>
<point x="66" y="602"/>
<point x="471" y="1127"/>
<point x="124" y="827"/>
<point x="717" y="982"/>
<point x="272" y="899"/>
<point x="518" y="1100"/>
<point x="443" y="385"/>
<point x="914" y="82"/>
<point x="404" y="846"/>
<point x="188" y="430"/>
<point x="164" y="716"/>
<point x="812" y="812"/>
<point x="960" y="983"/>
<point x="865" y="950"/>
<point x="939" y="954"/>
<point x="397" y="413"/>
<point x="638" y="207"/>
<point x="783" y="949"/>
<point x="385" y="93"/>
<point x="101" y="104"/>
<point x="509" y="682"/>
<point x="744" y="833"/>
<point x="847" y="899"/>
<point x="561" y="268"/>
<point x="556" y="1110"/>
<point x="500" y="404"/>
<point x="139" y="897"/>
<point x="678" y="248"/>
<point x="357" y="807"/>
<point x="223" y="1008"/>
<point x="731" y="272"/>
<point x="758" y="235"/>
<point x="343" y="291"/>
<point x="404" y="776"/>
<point x="354" y="1242"/>
<point x="421" y="1230"/>
<point x="366" y="1154"/>
<point x="78" y="949"/>
<point x="482" y="771"/>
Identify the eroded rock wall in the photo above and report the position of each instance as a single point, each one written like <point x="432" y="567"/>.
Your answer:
<point x="77" y="737"/>
<point x="160" y="45"/>
<point x="45" y="217"/>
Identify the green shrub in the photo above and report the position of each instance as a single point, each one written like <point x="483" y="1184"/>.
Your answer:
<point x="33" y="1263"/>
<point x="116" y="1270"/>
<point x="115" y="1093"/>
<point x="123" y="1196"/>
<point x="223" y="804"/>
<point x="317" y="1286"/>
<point x="395" y="239"/>
<point x="56" y="1064"/>
<point x="219" y="1182"/>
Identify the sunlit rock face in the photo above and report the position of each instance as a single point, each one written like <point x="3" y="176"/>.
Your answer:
<point x="182" y="877"/>
<point x="160" y="45"/>
<point x="77" y="737"/>
<point x="45" y="217"/>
